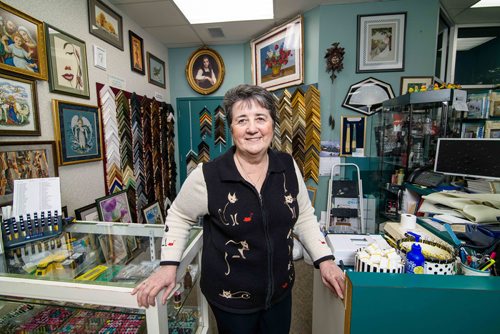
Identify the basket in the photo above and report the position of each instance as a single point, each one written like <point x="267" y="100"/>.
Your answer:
<point x="440" y="259"/>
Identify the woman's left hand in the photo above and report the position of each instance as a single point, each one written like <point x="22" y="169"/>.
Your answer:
<point x="333" y="277"/>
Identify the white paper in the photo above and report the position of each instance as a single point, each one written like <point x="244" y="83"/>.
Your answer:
<point x="326" y="163"/>
<point x="36" y="195"/>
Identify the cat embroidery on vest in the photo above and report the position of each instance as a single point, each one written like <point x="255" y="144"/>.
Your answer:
<point x="222" y="213"/>
<point x="288" y="199"/>
<point x="235" y="295"/>
<point x="235" y="252"/>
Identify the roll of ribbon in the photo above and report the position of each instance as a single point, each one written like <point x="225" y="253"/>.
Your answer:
<point x="408" y="221"/>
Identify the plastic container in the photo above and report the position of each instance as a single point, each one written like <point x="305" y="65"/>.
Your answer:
<point x="415" y="259"/>
<point x="469" y="271"/>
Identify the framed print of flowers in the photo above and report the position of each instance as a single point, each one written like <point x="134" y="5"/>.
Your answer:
<point x="277" y="56"/>
<point x="114" y="208"/>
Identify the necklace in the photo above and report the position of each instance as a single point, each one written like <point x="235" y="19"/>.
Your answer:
<point x="247" y="177"/>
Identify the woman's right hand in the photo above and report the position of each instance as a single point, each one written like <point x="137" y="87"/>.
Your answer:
<point x="147" y="290"/>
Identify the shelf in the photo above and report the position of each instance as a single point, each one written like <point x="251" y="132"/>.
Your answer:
<point x="392" y="190"/>
<point x="394" y="218"/>
<point x="429" y="97"/>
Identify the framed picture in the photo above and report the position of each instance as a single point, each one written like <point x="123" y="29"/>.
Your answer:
<point x="381" y="42"/>
<point x="25" y="160"/>
<point x="87" y="213"/>
<point x="495" y="104"/>
<point x="78" y="132"/>
<point x="100" y="57"/>
<point x="492" y="129"/>
<point x="352" y="136"/>
<point x="114" y="208"/>
<point x="152" y="214"/>
<point x="278" y="56"/>
<point x="136" y="53"/>
<point x="67" y="59"/>
<point x="412" y="83"/>
<point x="311" y="191"/>
<point x="156" y="71"/>
<point x="366" y="96"/>
<point x="205" y="71"/>
<point x="23" y="44"/>
<point x="113" y="247"/>
<point x="105" y="23"/>
<point x="19" y="107"/>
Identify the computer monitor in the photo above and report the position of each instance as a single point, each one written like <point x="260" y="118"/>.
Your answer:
<point x="468" y="157"/>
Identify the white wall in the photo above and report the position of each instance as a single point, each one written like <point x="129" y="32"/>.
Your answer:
<point x="82" y="183"/>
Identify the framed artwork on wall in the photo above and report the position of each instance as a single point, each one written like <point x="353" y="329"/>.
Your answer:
<point x="87" y="213"/>
<point x="366" y="96"/>
<point x="78" y="132"/>
<point x="381" y="42"/>
<point x="311" y="191"/>
<point x="156" y="71"/>
<point x="67" y="59"/>
<point x="352" y="137"/>
<point x="105" y="23"/>
<point x="277" y="56"/>
<point x="136" y="52"/>
<point x="25" y="160"/>
<point x="152" y="214"/>
<point x="19" y="114"/>
<point x="205" y="71"/>
<point x="23" y="42"/>
<point x="100" y="57"/>
<point x="114" y="208"/>
<point x="410" y="83"/>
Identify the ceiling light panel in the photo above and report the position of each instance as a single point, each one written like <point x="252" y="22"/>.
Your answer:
<point x="486" y="3"/>
<point x="198" y="11"/>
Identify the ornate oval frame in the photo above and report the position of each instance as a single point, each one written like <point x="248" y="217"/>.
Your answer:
<point x="195" y="63"/>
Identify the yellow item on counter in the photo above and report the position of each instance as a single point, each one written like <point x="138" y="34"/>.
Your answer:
<point x="92" y="274"/>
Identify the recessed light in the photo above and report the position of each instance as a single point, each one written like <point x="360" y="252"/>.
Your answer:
<point x="198" y="11"/>
<point x="486" y="3"/>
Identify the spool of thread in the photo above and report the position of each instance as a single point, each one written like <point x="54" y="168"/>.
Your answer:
<point x="408" y="221"/>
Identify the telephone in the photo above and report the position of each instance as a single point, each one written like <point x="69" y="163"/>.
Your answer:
<point x="425" y="177"/>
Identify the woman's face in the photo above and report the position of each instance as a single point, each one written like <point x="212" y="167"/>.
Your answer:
<point x="252" y="127"/>
<point x="206" y="62"/>
<point x="24" y="35"/>
<point x="67" y="62"/>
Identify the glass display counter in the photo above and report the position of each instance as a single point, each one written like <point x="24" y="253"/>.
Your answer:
<point x="81" y="282"/>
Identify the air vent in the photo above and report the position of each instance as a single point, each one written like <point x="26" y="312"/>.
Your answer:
<point x="216" y="32"/>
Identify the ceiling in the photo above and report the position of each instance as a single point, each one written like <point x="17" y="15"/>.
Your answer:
<point x="163" y="20"/>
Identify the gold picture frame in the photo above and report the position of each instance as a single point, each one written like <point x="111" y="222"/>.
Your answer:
<point x="30" y="59"/>
<point x="205" y="71"/>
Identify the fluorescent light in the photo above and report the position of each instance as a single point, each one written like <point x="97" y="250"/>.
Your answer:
<point x="486" y="3"/>
<point x="464" y="44"/>
<point x="211" y="11"/>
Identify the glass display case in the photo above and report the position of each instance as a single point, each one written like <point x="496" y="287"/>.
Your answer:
<point x="81" y="280"/>
<point x="406" y="133"/>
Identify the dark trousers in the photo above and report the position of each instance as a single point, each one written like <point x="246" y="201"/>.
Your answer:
<point x="275" y="320"/>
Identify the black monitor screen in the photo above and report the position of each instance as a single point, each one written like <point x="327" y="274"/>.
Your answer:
<point x="468" y="157"/>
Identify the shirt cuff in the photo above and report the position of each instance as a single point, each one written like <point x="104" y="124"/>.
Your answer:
<point x="322" y="259"/>
<point x="169" y="263"/>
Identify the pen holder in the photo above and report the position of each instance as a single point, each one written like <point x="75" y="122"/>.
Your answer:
<point x="468" y="271"/>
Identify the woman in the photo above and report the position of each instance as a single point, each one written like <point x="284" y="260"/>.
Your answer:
<point x="253" y="200"/>
<point x="205" y="76"/>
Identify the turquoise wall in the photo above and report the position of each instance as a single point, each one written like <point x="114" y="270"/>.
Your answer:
<point x="324" y="25"/>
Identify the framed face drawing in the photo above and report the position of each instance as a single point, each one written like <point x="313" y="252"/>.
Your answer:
<point x="67" y="57"/>
<point x="136" y="53"/>
<point x="78" y="132"/>
<point x="18" y="107"/>
<point x="381" y="42"/>
<point x="105" y="23"/>
<point x="205" y="71"/>
<point x="23" y="44"/>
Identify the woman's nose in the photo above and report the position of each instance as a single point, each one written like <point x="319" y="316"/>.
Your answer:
<point x="252" y="126"/>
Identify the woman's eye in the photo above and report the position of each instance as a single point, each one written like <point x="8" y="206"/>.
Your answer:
<point x="242" y="121"/>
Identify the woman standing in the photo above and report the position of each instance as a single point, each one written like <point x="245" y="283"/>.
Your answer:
<point x="253" y="200"/>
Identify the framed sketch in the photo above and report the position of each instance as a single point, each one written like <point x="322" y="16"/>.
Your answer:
<point x="67" y="59"/>
<point x="114" y="208"/>
<point x="412" y="83"/>
<point x="352" y="136"/>
<point x="152" y="214"/>
<point x="311" y="191"/>
<point x="100" y="57"/>
<point x="25" y="160"/>
<point x="77" y="131"/>
<point x="23" y="44"/>
<point x="278" y="56"/>
<point x="19" y="114"/>
<point x="87" y="213"/>
<point x="205" y="71"/>
<point x="136" y="45"/>
<point x="366" y="96"/>
<point x="105" y="23"/>
<point x="381" y="42"/>
<point x="156" y="71"/>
